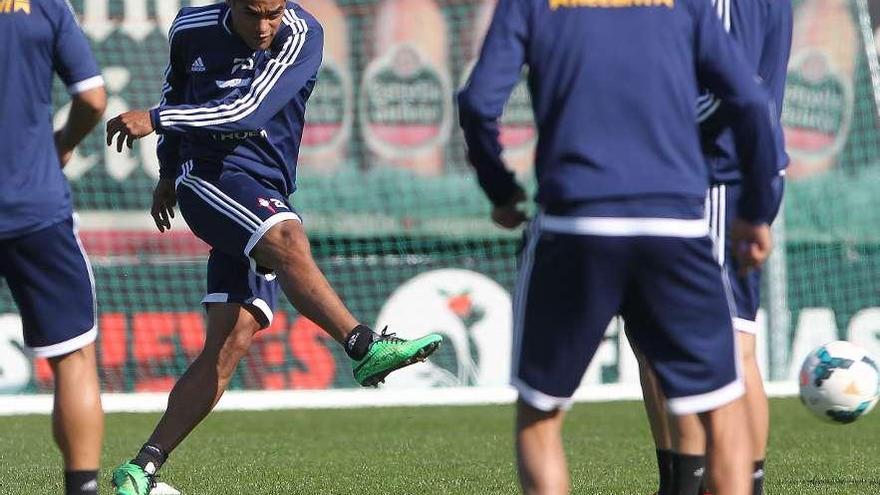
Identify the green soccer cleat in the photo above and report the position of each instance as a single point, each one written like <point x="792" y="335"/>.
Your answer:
<point x="388" y="353"/>
<point x="131" y="479"/>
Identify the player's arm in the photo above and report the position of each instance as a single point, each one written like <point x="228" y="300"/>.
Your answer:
<point x="86" y="109"/>
<point x="168" y="145"/>
<point x="76" y="66"/>
<point x="280" y="79"/>
<point x="285" y="75"/>
<point x="481" y="103"/>
<point x="773" y="66"/>
<point x="722" y="68"/>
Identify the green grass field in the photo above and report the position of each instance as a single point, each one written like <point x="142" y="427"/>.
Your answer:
<point x="432" y="450"/>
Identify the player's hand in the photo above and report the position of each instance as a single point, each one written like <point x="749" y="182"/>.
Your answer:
<point x="751" y="244"/>
<point x="64" y="155"/>
<point x="129" y="126"/>
<point x="164" y="200"/>
<point x="509" y="215"/>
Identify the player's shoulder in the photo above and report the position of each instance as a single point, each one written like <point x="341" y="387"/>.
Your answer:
<point x="301" y="20"/>
<point x="196" y="18"/>
<point x="53" y="10"/>
<point x="202" y="11"/>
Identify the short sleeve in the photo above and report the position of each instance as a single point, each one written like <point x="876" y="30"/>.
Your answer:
<point x="72" y="56"/>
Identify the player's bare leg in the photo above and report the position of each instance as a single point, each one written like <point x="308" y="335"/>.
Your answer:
<point x="655" y="406"/>
<point x="729" y="450"/>
<point x="285" y="249"/>
<point x="757" y="405"/>
<point x="77" y="417"/>
<point x="231" y="328"/>
<point x="539" y="451"/>
<point x="658" y="421"/>
<point x="680" y="440"/>
<point x="688" y="454"/>
<point x="688" y="436"/>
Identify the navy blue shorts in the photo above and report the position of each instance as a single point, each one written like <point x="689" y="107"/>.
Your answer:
<point x="721" y="208"/>
<point x="577" y="273"/>
<point x="232" y="211"/>
<point x="51" y="282"/>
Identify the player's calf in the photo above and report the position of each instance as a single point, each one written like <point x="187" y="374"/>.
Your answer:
<point x="757" y="406"/>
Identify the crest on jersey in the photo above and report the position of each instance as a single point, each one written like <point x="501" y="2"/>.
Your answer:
<point x="242" y="63"/>
<point x="272" y="204"/>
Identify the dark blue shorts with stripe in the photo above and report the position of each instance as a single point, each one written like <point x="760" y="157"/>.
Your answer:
<point x="722" y="208"/>
<point x="51" y="282"/>
<point x="231" y="211"/>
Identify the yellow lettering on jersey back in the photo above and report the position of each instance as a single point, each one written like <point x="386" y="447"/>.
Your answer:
<point x="604" y="4"/>
<point x="12" y="6"/>
<point x="22" y="5"/>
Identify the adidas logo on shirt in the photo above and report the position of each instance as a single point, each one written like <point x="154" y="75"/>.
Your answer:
<point x="198" y="65"/>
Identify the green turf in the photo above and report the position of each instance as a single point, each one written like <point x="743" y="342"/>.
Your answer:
<point x="432" y="450"/>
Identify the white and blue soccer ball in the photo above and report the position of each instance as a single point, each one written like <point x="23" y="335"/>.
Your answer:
<point x="839" y="382"/>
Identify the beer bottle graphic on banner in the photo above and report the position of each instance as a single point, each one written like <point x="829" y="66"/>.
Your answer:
<point x="517" y="133"/>
<point x="329" y="114"/>
<point x="819" y="99"/>
<point x="405" y="102"/>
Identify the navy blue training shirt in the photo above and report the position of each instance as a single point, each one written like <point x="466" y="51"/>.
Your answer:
<point x="762" y="29"/>
<point x="39" y="38"/>
<point x="227" y="105"/>
<point x="614" y="85"/>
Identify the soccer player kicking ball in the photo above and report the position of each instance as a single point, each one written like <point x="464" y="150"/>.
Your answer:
<point x="762" y="29"/>
<point x="41" y="257"/>
<point x="620" y="227"/>
<point x="230" y="124"/>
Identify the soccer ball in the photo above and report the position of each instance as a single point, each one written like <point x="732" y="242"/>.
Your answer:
<point x="839" y="382"/>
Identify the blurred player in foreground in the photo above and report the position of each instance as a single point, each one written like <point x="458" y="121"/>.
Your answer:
<point x="41" y="256"/>
<point x="620" y="227"/>
<point x="762" y="29"/>
<point x="230" y="125"/>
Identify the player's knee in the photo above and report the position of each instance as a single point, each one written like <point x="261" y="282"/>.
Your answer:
<point x="235" y="348"/>
<point x="285" y="243"/>
<point x="242" y="336"/>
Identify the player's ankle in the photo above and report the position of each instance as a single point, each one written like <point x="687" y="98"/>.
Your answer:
<point x="687" y="472"/>
<point x="150" y="458"/>
<point x="81" y="482"/>
<point x="357" y="342"/>
<point x="758" y="478"/>
<point x="664" y="467"/>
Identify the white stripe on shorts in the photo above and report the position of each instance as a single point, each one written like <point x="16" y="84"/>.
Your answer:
<point x="223" y="196"/>
<point x="216" y="202"/>
<point x="520" y="296"/>
<point x="624" y="227"/>
<point x="706" y="402"/>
